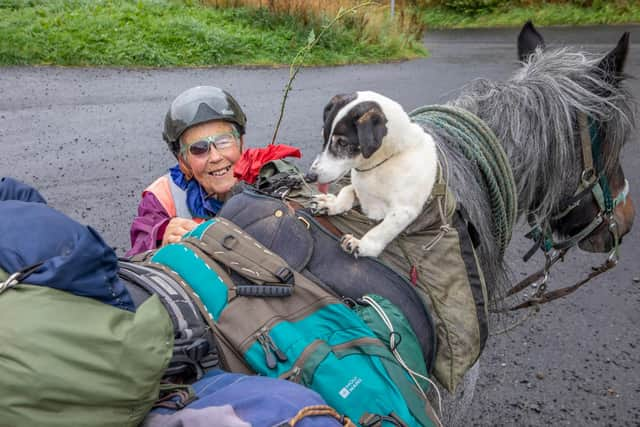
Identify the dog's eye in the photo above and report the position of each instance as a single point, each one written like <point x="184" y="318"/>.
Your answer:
<point x="340" y="140"/>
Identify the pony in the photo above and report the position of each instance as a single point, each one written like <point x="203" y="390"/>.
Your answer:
<point x="535" y="115"/>
<point x="538" y="116"/>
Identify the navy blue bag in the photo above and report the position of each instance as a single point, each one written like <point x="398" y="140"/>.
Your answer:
<point x="238" y="400"/>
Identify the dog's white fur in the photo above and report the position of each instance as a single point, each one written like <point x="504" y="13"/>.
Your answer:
<point x="395" y="190"/>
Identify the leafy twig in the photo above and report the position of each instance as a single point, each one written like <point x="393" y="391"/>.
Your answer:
<point x="298" y="60"/>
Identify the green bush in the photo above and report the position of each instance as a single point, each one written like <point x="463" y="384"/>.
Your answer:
<point x="178" y="33"/>
<point x="436" y="14"/>
<point x="473" y="7"/>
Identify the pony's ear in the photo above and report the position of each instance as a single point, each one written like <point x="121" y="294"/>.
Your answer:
<point x="528" y="40"/>
<point x="613" y="63"/>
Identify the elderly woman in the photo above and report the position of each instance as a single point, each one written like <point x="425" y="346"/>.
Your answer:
<point x="204" y="130"/>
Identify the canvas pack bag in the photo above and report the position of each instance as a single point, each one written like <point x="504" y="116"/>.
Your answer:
<point x="269" y="319"/>
<point x="436" y="253"/>
<point x="311" y="249"/>
<point x="68" y="360"/>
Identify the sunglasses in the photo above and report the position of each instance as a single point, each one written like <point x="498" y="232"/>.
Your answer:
<point x="221" y="142"/>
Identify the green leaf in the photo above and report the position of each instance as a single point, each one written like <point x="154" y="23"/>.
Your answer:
<point x="312" y="37"/>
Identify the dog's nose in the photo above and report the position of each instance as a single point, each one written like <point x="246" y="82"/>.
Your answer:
<point x="311" y="177"/>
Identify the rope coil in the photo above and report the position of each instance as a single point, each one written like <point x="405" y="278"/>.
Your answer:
<point x="479" y="144"/>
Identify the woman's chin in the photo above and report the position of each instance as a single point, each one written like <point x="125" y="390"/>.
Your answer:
<point x="219" y="185"/>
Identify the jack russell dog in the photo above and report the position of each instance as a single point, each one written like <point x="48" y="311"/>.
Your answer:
<point x="393" y="164"/>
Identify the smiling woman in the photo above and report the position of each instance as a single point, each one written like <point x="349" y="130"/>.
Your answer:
<point x="204" y="130"/>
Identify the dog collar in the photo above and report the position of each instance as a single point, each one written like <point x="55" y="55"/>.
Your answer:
<point x="374" y="166"/>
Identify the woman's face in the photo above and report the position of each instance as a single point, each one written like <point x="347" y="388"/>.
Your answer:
<point x="213" y="169"/>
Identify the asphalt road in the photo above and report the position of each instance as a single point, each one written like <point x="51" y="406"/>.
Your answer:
<point x="90" y="140"/>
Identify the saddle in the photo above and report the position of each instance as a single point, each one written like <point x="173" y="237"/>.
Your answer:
<point x="311" y="249"/>
<point x="432" y="264"/>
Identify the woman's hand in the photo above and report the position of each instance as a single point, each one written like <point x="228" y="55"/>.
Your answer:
<point x="176" y="228"/>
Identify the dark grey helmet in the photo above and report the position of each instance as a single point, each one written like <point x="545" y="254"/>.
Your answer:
<point x="198" y="105"/>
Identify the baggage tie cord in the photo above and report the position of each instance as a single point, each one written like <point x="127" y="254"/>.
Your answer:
<point x="396" y="354"/>
<point x="317" y="410"/>
<point x="480" y="145"/>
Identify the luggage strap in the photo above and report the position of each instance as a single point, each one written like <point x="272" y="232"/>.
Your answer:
<point x="19" y="276"/>
<point x="315" y="411"/>
<point x="175" y="396"/>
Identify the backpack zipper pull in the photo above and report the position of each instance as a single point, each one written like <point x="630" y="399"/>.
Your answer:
<point x="269" y="358"/>
<point x="295" y="375"/>
<point x="279" y="353"/>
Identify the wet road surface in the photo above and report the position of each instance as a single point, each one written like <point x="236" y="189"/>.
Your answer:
<point x="90" y="140"/>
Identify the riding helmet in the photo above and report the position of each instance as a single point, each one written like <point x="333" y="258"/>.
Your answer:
<point x="198" y="105"/>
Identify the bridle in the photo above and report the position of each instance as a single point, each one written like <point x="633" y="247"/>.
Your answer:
<point x="593" y="180"/>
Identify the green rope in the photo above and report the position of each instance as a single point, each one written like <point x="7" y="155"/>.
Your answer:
<point x="480" y="145"/>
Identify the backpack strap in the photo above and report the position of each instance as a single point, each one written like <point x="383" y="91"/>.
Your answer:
<point x="228" y="245"/>
<point x="375" y="420"/>
<point x="194" y="346"/>
<point x="175" y="396"/>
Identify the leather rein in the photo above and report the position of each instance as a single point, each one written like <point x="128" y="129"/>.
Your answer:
<point x="592" y="181"/>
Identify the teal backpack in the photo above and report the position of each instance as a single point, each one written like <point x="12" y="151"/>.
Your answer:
<point x="271" y="320"/>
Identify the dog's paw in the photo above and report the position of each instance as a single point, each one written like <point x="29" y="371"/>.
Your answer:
<point x="369" y="247"/>
<point x="350" y="245"/>
<point x="323" y="204"/>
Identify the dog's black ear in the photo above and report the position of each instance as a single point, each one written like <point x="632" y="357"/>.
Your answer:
<point x="613" y="63"/>
<point x="372" y="127"/>
<point x="528" y="40"/>
<point x="331" y="109"/>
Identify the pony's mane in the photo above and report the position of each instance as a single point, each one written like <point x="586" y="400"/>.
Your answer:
<point x="534" y="113"/>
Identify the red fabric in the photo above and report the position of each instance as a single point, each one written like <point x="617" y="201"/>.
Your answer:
<point x="247" y="168"/>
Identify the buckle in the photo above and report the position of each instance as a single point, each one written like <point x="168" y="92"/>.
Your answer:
<point x="197" y="350"/>
<point x="285" y="275"/>
<point x="10" y="282"/>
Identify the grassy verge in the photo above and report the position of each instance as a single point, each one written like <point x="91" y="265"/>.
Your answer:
<point x="178" y="33"/>
<point x="541" y="14"/>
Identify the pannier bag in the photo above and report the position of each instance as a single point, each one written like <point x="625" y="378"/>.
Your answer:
<point x="436" y="253"/>
<point x="448" y="278"/>
<point x="269" y="319"/>
<point x="237" y="400"/>
<point x="296" y="236"/>
<point x="68" y="360"/>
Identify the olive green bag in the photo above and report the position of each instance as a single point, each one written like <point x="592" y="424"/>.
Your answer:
<point x="443" y="265"/>
<point x="67" y="360"/>
<point x="437" y="253"/>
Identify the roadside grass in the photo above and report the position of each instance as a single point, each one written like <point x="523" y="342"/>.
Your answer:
<point x="157" y="33"/>
<point x="542" y="14"/>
